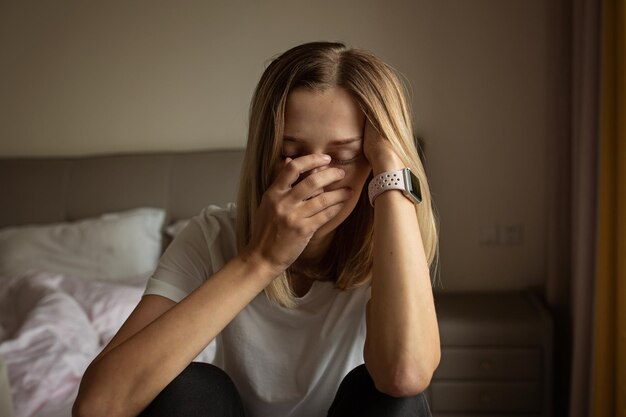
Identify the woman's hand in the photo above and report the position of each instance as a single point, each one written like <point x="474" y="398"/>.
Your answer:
<point x="294" y="207"/>
<point x="379" y="151"/>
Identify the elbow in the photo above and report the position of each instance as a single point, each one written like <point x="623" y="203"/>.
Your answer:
<point x="406" y="379"/>
<point x="403" y="384"/>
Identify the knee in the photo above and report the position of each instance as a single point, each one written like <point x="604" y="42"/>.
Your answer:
<point x="199" y="378"/>
<point x="359" y="379"/>
<point x="202" y="374"/>
<point x="358" y="395"/>
<point x="200" y="387"/>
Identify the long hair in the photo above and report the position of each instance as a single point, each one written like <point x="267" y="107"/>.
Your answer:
<point x="382" y="97"/>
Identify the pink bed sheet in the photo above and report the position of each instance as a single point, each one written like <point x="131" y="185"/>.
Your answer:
<point x="51" y="327"/>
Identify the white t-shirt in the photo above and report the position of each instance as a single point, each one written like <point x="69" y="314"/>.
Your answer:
<point x="284" y="362"/>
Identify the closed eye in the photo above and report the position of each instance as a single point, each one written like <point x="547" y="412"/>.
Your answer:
<point x="344" y="161"/>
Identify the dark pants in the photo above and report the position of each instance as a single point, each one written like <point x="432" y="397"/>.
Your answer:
<point x="203" y="390"/>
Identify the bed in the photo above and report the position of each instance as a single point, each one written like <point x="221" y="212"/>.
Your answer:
<point x="79" y="237"/>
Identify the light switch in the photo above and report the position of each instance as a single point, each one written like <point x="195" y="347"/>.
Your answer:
<point x="502" y="234"/>
<point x="511" y="234"/>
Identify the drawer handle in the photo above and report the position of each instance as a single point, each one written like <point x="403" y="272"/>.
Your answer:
<point x="485" y="364"/>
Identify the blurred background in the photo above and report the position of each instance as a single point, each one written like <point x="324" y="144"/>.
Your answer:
<point x="488" y="79"/>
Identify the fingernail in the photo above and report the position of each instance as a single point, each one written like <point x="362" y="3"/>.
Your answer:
<point x="288" y="159"/>
<point x="326" y="157"/>
<point x="342" y="172"/>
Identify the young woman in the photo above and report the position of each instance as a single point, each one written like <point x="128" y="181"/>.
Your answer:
<point x="313" y="297"/>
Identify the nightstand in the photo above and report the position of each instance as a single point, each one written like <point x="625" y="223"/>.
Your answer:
<point x="496" y="356"/>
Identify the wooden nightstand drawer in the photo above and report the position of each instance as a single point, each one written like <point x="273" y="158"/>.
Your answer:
<point x="477" y="364"/>
<point x="521" y="397"/>
<point x="496" y="356"/>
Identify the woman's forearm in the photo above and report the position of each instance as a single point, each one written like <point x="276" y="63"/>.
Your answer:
<point x="402" y="343"/>
<point x="125" y="379"/>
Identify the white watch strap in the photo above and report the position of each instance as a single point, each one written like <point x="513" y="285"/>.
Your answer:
<point x="389" y="180"/>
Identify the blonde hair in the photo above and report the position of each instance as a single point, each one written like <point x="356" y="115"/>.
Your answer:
<point x="381" y="95"/>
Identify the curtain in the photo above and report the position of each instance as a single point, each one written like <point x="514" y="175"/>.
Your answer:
<point x="609" y="355"/>
<point x="573" y="216"/>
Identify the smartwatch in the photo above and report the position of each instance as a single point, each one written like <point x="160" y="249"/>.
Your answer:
<point x="402" y="179"/>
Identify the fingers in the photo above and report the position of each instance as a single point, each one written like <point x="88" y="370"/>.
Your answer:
<point x="325" y="201"/>
<point x="291" y="171"/>
<point x="313" y="184"/>
<point x="324" y="216"/>
<point x="298" y="191"/>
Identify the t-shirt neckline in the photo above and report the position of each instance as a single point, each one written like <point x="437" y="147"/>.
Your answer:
<point x="313" y="292"/>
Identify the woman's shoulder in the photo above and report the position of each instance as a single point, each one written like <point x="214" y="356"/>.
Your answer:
<point x="218" y="225"/>
<point x="216" y="218"/>
<point x="210" y="224"/>
<point x="212" y="212"/>
<point x="200" y="248"/>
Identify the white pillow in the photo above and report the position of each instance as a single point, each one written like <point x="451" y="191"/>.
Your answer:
<point x="113" y="247"/>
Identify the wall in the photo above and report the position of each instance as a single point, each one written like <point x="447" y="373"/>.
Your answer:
<point x="106" y="77"/>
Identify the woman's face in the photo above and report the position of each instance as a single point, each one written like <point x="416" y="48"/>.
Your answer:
<point x="329" y="122"/>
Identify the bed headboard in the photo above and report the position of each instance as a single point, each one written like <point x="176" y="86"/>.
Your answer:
<point x="48" y="190"/>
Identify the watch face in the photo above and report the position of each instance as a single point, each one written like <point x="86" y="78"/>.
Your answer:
<point x="413" y="186"/>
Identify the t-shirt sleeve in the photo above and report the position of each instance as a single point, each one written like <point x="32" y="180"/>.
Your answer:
<point x="199" y="250"/>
